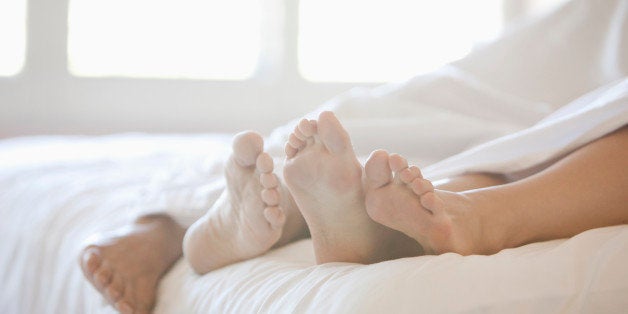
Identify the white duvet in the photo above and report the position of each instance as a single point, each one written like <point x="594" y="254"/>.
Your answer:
<point x="537" y="94"/>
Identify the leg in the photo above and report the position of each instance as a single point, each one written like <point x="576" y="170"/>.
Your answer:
<point x="125" y="265"/>
<point x="398" y="196"/>
<point x="325" y="178"/>
<point x="254" y="213"/>
<point x="577" y="193"/>
<point x="129" y="280"/>
<point x="584" y="190"/>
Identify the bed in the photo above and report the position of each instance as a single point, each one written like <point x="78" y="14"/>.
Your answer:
<point x="52" y="198"/>
<point x="55" y="191"/>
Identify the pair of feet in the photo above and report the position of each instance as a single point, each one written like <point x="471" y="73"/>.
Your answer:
<point x="383" y="211"/>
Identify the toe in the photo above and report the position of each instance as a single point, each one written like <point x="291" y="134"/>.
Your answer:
<point x="270" y="197"/>
<point x="295" y="142"/>
<point x="290" y="151"/>
<point x="115" y="290"/>
<point x="264" y="163"/>
<point x="306" y="128"/>
<point x="275" y="216"/>
<point x="430" y="201"/>
<point x="298" y="134"/>
<point x="246" y="147"/>
<point x="406" y="176"/>
<point x="269" y="180"/>
<point x="421" y="186"/>
<point x="103" y="276"/>
<point x="90" y="260"/>
<point x="397" y="163"/>
<point x="409" y="174"/>
<point x="332" y="134"/>
<point x="377" y="169"/>
<point x="416" y="172"/>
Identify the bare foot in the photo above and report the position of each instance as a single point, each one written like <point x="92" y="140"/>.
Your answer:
<point x="125" y="265"/>
<point x="441" y="221"/>
<point x="254" y="213"/>
<point x="325" y="178"/>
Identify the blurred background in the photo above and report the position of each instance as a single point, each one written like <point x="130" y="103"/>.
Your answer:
<point x="180" y="66"/>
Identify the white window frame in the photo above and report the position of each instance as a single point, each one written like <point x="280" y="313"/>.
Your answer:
<point x="45" y="98"/>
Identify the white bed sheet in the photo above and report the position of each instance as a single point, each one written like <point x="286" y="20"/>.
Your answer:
<point x="47" y="205"/>
<point x="55" y="191"/>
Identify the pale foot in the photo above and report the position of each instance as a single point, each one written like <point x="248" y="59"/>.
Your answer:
<point x="125" y="265"/>
<point x="325" y="179"/>
<point x="441" y="221"/>
<point x="250" y="217"/>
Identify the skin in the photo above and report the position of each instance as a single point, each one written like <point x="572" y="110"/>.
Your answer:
<point x="572" y="195"/>
<point x="476" y="213"/>
<point x="324" y="176"/>
<point x="254" y="214"/>
<point x="125" y="265"/>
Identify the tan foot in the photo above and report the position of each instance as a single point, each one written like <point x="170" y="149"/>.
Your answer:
<point x="125" y="265"/>
<point x="441" y="221"/>
<point x="249" y="218"/>
<point x="325" y="179"/>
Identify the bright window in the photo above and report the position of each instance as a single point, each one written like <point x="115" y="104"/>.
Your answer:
<point x="377" y="40"/>
<point x="541" y="6"/>
<point x="205" y="39"/>
<point x="12" y="36"/>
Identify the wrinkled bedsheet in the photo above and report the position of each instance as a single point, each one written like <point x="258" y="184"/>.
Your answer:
<point x="49" y="203"/>
<point x="538" y="93"/>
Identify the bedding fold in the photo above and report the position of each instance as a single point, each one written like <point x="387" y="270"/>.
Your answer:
<point x="537" y="93"/>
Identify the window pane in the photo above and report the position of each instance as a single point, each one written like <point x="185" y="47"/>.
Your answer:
<point x="12" y="36"/>
<point x="382" y="40"/>
<point x="534" y="7"/>
<point x="164" y="38"/>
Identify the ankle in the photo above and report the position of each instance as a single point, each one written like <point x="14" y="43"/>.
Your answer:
<point x="499" y="228"/>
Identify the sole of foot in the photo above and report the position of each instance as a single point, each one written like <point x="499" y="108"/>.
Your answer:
<point x="325" y="178"/>
<point x="399" y="197"/>
<point x="249" y="218"/>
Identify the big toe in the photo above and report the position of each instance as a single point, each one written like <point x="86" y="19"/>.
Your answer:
<point x="332" y="134"/>
<point x="246" y="147"/>
<point x="90" y="260"/>
<point x="377" y="169"/>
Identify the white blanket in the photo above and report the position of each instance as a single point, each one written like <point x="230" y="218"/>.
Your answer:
<point x="548" y="87"/>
